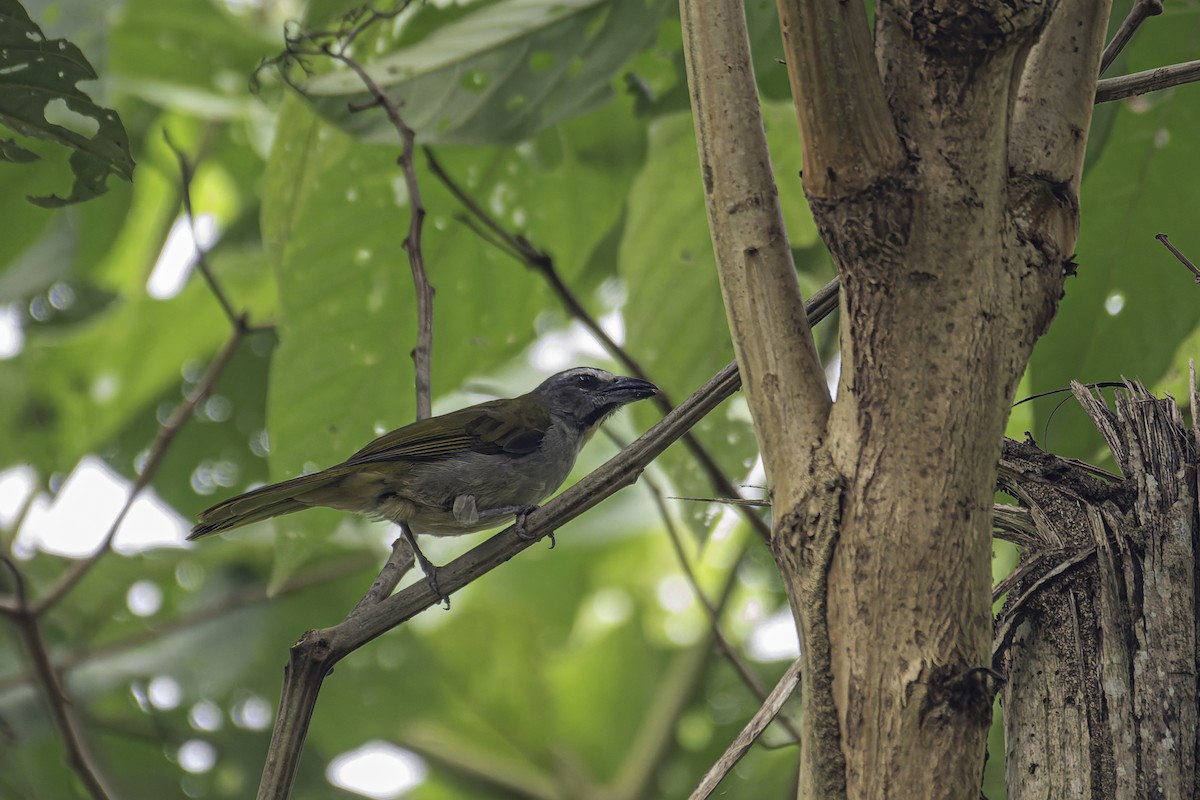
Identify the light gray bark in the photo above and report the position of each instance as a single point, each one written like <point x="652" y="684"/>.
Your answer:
<point x="1101" y="657"/>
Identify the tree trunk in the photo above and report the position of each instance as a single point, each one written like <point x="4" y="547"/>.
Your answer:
<point x="1098" y="633"/>
<point x="942" y="164"/>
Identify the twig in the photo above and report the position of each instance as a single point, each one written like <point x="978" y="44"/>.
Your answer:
<point x="401" y="560"/>
<point x="739" y="666"/>
<point x="1142" y="9"/>
<point x="422" y="353"/>
<point x="754" y="728"/>
<point x="19" y="517"/>
<point x="158" y="450"/>
<point x="318" y="651"/>
<point x="166" y="433"/>
<point x="1162" y="237"/>
<point x="186" y="174"/>
<point x="1150" y="80"/>
<point x="27" y="622"/>
<point x="541" y="262"/>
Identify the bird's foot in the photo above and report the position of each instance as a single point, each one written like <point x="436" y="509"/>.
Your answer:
<point x="428" y="567"/>
<point x="519" y="524"/>
<point x="431" y="578"/>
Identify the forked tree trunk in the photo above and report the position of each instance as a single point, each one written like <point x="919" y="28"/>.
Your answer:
<point x="942" y="159"/>
<point x="1098" y="634"/>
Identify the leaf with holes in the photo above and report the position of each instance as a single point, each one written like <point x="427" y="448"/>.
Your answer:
<point x="39" y="99"/>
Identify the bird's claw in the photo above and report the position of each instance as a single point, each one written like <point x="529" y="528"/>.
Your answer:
<point x="428" y="567"/>
<point x="519" y="523"/>
<point x="431" y="579"/>
<point x="519" y="526"/>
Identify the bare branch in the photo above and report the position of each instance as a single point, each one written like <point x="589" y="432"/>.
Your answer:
<point x="754" y="728"/>
<point x="309" y="661"/>
<point x="1150" y="80"/>
<point x="1187" y="262"/>
<point x="723" y="645"/>
<point x="186" y="174"/>
<point x="26" y="620"/>
<point x="231" y="603"/>
<point x="423" y="352"/>
<point x="1141" y="11"/>
<point x="166" y="433"/>
<point x="158" y="450"/>
<point x="401" y="560"/>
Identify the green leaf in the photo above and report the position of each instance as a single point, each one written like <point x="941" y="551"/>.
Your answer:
<point x="188" y="54"/>
<point x="39" y="98"/>
<point x="11" y="151"/>
<point x="498" y="75"/>
<point x="89" y="384"/>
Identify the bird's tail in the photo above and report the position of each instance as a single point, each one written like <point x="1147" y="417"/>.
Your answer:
<point x="261" y="503"/>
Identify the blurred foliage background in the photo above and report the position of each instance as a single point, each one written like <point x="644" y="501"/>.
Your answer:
<point x="584" y="672"/>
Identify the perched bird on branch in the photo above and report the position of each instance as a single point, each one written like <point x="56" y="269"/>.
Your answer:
<point x="465" y="471"/>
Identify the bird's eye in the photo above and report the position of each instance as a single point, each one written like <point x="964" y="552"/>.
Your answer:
<point x="586" y="380"/>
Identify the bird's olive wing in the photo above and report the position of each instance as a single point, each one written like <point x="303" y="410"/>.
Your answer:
<point x="516" y="427"/>
<point x="493" y="427"/>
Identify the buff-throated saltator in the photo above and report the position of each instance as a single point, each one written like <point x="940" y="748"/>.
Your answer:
<point x="465" y="471"/>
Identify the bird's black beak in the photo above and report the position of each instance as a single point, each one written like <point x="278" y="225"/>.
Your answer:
<point x="626" y="390"/>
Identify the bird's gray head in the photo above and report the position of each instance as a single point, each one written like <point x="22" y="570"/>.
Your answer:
<point x="587" y="396"/>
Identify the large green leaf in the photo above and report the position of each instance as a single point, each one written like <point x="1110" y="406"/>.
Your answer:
<point x="87" y="384"/>
<point x="500" y="74"/>
<point x="39" y="98"/>
<point x="187" y="54"/>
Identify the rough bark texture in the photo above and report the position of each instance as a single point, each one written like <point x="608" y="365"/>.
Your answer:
<point x="1101" y="657"/>
<point x="943" y="177"/>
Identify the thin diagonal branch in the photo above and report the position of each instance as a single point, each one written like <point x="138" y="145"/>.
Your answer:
<point x="754" y="728"/>
<point x="727" y="650"/>
<point x="1187" y="262"/>
<point x="657" y="734"/>
<point x="423" y="352"/>
<point x="1141" y="11"/>
<point x="167" y="430"/>
<point x="186" y="174"/>
<point x="723" y="645"/>
<point x="399" y="562"/>
<point x="158" y="451"/>
<point x="78" y="755"/>
<point x="542" y="262"/>
<point x="1150" y="80"/>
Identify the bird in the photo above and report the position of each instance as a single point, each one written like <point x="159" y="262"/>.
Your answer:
<point x="461" y="472"/>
